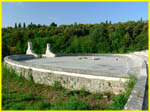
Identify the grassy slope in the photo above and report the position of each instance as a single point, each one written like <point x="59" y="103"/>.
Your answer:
<point x="21" y="94"/>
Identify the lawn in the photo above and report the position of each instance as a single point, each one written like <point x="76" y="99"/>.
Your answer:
<point x="21" y="94"/>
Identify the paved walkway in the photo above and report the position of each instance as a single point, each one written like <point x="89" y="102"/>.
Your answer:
<point x="145" y="103"/>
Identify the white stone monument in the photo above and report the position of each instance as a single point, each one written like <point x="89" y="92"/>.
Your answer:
<point x="29" y="50"/>
<point x="48" y="52"/>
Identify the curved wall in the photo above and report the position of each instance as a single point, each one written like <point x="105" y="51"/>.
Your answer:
<point x="69" y="80"/>
<point x="92" y="83"/>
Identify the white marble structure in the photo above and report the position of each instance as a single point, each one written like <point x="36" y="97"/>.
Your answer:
<point x="48" y="52"/>
<point x="30" y="51"/>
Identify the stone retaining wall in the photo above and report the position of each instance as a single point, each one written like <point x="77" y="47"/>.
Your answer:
<point x="73" y="81"/>
<point x="76" y="81"/>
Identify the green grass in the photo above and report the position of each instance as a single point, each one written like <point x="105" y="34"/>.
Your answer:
<point x="21" y="94"/>
<point x="120" y="100"/>
<point x="72" y="104"/>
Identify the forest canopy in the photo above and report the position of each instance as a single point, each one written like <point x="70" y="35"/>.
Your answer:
<point x="104" y="37"/>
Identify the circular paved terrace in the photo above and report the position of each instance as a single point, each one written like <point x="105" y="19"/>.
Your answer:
<point x="107" y="65"/>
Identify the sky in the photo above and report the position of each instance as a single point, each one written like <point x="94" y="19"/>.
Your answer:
<point x="71" y="12"/>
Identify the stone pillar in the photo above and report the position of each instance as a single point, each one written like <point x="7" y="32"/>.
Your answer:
<point x="29" y="50"/>
<point x="48" y="52"/>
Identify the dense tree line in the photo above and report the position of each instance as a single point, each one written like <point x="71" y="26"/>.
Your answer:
<point x="104" y="37"/>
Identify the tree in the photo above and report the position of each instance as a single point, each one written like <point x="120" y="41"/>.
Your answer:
<point x="100" y="39"/>
<point x="77" y="38"/>
<point x="137" y="29"/>
<point x="19" y="26"/>
<point x="142" y="41"/>
<point x="106" y="21"/>
<point x="5" y="49"/>
<point x="15" y="25"/>
<point x="24" y="25"/>
<point x="31" y="26"/>
<point x="116" y="38"/>
<point x="75" y="45"/>
<point x="75" y="24"/>
<point x="53" y="24"/>
<point x="141" y="20"/>
<point x="126" y="40"/>
<point x="109" y="22"/>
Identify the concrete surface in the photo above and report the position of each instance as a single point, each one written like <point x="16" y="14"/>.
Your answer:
<point x="99" y="65"/>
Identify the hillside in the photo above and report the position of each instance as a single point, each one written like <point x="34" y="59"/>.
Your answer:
<point x="77" y="38"/>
